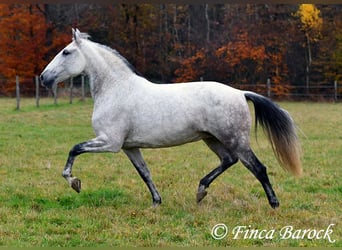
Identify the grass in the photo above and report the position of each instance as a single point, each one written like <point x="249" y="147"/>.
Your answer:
<point x="38" y="208"/>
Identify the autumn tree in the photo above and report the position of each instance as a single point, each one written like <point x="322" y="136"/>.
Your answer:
<point x="23" y="43"/>
<point x="230" y="43"/>
<point x="327" y="64"/>
<point x="192" y="68"/>
<point x="311" y="22"/>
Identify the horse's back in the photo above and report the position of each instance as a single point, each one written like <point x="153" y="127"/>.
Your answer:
<point x="209" y="93"/>
<point x="209" y="98"/>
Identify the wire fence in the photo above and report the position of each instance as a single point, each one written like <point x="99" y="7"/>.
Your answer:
<point x="72" y="88"/>
<point x="327" y="92"/>
<point x="78" y="87"/>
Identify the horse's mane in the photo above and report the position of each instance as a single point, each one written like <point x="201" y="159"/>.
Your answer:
<point x="115" y="52"/>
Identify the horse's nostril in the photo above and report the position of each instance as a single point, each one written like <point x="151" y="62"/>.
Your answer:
<point x="41" y="77"/>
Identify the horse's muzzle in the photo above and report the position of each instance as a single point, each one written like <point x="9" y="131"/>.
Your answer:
<point x="47" y="81"/>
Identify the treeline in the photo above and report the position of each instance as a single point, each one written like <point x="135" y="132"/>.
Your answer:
<point x="288" y="45"/>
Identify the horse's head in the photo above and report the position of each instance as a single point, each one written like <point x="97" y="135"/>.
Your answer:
<point x="67" y="63"/>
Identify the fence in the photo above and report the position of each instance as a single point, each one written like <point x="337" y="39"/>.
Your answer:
<point x="79" y="87"/>
<point x="74" y="87"/>
<point x="326" y="92"/>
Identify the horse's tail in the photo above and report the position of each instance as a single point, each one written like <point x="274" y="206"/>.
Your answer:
<point x="280" y="130"/>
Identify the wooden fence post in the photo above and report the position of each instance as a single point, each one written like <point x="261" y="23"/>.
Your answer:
<point x="70" y="88"/>
<point x="37" y="91"/>
<point x="82" y="88"/>
<point x="55" y="95"/>
<point x="268" y="86"/>
<point x="335" y="90"/>
<point x="17" y="92"/>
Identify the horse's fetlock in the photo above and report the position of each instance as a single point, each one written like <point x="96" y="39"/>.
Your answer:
<point x="203" y="184"/>
<point x="66" y="174"/>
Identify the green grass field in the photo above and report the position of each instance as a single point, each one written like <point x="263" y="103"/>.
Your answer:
<point x="38" y="208"/>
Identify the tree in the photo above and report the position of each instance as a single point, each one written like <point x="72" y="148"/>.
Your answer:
<point x="192" y="68"/>
<point x="311" y="22"/>
<point x="23" y="43"/>
<point x="245" y="61"/>
<point x="326" y="68"/>
<point x="230" y="43"/>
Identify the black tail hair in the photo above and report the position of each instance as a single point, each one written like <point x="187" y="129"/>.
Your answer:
<point x="280" y="130"/>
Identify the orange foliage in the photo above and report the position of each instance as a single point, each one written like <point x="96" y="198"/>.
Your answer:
<point x="278" y="72"/>
<point x="191" y="68"/>
<point x="23" y="42"/>
<point x="243" y="58"/>
<point x="239" y="61"/>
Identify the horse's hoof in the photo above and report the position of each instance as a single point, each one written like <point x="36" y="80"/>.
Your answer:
<point x="156" y="203"/>
<point x="274" y="204"/>
<point x="76" y="184"/>
<point x="200" y="195"/>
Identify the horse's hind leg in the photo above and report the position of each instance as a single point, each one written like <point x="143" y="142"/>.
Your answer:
<point x="227" y="160"/>
<point x="249" y="159"/>
<point x="138" y="161"/>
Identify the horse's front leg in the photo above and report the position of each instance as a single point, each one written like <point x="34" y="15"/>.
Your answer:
<point x="95" y="145"/>
<point x="136" y="158"/>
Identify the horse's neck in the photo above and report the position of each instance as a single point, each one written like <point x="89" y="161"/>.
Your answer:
<point x="105" y="70"/>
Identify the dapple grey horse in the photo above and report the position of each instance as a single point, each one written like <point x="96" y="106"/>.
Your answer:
<point x="131" y="112"/>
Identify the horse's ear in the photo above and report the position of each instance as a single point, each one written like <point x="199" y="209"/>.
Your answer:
<point x="76" y="35"/>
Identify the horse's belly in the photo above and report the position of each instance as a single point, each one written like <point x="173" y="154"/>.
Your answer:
<point x="158" y="139"/>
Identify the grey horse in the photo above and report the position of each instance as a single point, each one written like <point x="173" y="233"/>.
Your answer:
<point x="131" y="112"/>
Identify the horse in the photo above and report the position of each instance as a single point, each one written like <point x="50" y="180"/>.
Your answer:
<point x="131" y="113"/>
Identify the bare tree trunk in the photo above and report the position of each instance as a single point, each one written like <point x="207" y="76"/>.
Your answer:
<point x="175" y="30"/>
<point x="308" y="63"/>
<point x="208" y="22"/>
<point x="163" y="40"/>
<point x="175" y="24"/>
<point x="189" y="33"/>
<point x="166" y="23"/>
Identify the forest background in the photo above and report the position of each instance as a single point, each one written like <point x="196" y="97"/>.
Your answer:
<point x="288" y="45"/>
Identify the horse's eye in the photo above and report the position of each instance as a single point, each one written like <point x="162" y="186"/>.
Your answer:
<point x="66" y="52"/>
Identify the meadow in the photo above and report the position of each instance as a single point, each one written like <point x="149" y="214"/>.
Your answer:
<point x="38" y="208"/>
